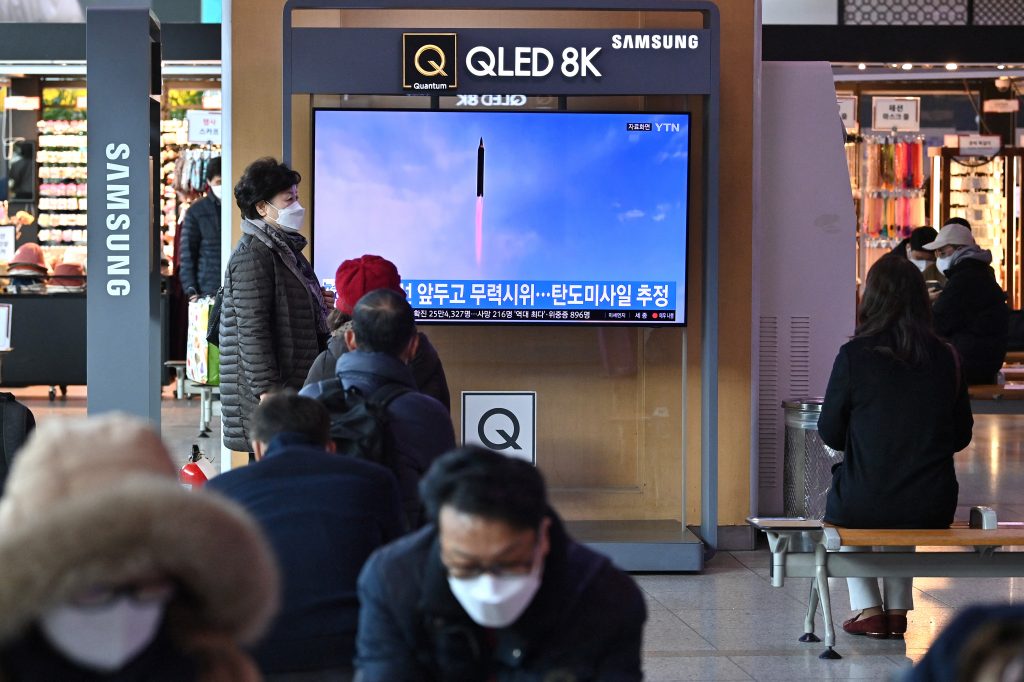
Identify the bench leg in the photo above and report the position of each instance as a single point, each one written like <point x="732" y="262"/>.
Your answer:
<point x="179" y="382"/>
<point x="812" y="606"/>
<point x="821" y="578"/>
<point x="205" y="409"/>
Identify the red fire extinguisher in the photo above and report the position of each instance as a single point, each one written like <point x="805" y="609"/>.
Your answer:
<point x="197" y="470"/>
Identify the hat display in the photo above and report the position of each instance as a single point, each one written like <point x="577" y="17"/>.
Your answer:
<point x="95" y="503"/>
<point x="952" y="234"/>
<point x="359" y="276"/>
<point x="67" y="277"/>
<point x="30" y="256"/>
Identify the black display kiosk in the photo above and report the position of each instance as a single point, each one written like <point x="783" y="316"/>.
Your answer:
<point x="371" y="61"/>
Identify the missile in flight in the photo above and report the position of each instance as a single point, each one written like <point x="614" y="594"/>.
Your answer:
<point x="480" y="169"/>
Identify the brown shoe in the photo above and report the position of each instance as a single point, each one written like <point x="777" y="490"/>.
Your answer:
<point x="876" y="627"/>
<point x="897" y="625"/>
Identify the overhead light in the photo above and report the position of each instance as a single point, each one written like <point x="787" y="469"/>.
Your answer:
<point x="951" y="67"/>
<point x="862" y="66"/>
<point x="907" y="67"/>
<point x="1001" y="66"/>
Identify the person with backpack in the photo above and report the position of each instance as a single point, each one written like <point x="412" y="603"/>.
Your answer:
<point x="376" y="411"/>
<point x="323" y="515"/>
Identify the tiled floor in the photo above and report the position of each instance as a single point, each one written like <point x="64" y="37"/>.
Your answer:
<point x="729" y="623"/>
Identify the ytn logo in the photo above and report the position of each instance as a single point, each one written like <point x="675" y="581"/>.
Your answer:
<point x="429" y="61"/>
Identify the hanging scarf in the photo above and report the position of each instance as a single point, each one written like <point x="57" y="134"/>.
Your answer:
<point x="288" y="245"/>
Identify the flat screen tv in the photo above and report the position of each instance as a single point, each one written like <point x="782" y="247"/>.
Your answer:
<point x="510" y="217"/>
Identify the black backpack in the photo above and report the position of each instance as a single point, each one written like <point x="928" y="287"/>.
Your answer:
<point x="16" y="422"/>
<point x="359" y="424"/>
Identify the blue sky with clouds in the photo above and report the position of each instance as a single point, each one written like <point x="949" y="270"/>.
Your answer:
<point x="566" y="196"/>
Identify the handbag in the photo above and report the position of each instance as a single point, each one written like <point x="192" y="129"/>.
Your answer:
<point x="213" y="329"/>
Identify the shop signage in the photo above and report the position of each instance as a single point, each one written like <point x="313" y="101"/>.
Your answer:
<point x="17" y="103"/>
<point x="7" y="239"/>
<point x="503" y="421"/>
<point x="901" y="114"/>
<point x="980" y="145"/>
<point x="1001" y="106"/>
<point x="848" y="111"/>
<point x="499" y="62"/>
<point x="123" y="298"/>
<point x="203" y="126"/>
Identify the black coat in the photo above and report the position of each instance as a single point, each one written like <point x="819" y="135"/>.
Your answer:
<point x="972" y="313"/>
<point x="271" y="329"/>
<point x="199" y="263"/>
<point x="584" y="624"/>
<point x="426" y="368"/>
<point x="898" y="426"/>
<point x="323" y="515"/>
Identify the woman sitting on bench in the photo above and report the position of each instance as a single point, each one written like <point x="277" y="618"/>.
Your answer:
<point x="897" y="405"/>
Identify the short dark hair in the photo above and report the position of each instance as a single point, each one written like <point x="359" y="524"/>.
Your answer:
<point x="482" y="482"/>
<point x="213" y="169"/>
<point x="261" y="181"/>
<point x="288" y="412"/>
<point x="958" y="221"/>
<point x="922" y="236"/>
<point x="383" y="322"/>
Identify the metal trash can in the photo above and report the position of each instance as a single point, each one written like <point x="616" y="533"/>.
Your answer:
<point x="807" y="467"/>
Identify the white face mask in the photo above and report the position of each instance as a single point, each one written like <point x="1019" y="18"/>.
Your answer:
<point x="289" y="218"/>
<point x="497" y="601"/>
<point x="921" y="263"/>
<point x="944" y="263"/>
<point x="215" y="190"/>
<point x="105" y="637"/>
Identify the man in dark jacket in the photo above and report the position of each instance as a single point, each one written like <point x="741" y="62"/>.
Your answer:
<point x="971" y="311"/>
<point x="323" y="515"/>
<point x="382" y="341"/>
<point x="353" y="279"/>
<point x="494" y="589"/>
<point x="200" y="240"/>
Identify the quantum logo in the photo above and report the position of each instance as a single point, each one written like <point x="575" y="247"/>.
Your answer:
<point x="429" y="61"/>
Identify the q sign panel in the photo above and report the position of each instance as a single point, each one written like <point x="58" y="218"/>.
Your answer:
<point x="503" y="421"/>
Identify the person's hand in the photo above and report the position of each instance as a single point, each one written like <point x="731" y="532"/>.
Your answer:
<point x="328" y="297"/>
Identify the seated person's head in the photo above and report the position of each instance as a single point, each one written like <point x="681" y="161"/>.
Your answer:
<point x="286" y="412"/>
<point x="359" y="276"/>
<point x="916" y="252"/>
<point x="383" y="322"/>
<point x="492" y="517"/>
<point x="954" y="235"/>
<point x="105" y="552"/>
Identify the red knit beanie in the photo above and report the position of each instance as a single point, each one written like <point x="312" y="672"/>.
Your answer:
<point x="359" y="276"/>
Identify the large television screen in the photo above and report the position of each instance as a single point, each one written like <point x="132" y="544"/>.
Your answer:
<point x="510" y="217"/>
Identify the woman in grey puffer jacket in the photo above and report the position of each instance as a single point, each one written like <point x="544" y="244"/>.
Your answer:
<point x="273" y="319"/>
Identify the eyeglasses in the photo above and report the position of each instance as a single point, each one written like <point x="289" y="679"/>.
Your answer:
<point x="501" y="569"/>
<point x="146" y="592"/>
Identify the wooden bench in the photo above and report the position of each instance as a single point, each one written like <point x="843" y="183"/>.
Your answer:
<point x="996" y="398"/>
<point x="206" y="394"/>
<point x="179" y="377"/>
<point x="969" y="551"/>
<point x="1014" y="357"/>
